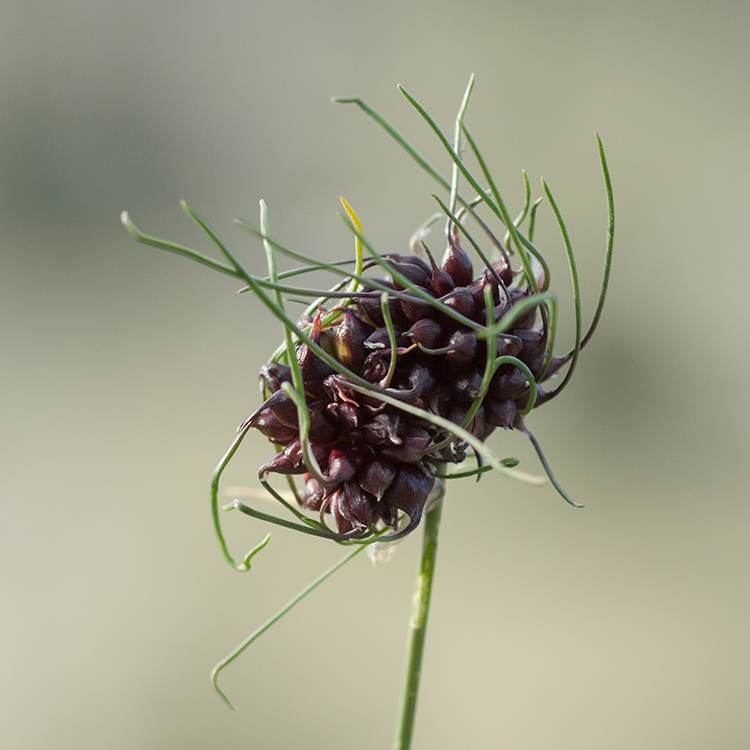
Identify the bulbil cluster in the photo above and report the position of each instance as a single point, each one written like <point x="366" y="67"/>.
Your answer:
<point x="376" y="462"/>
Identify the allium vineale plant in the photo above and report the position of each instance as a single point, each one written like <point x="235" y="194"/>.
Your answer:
<point x="392" y="380"/>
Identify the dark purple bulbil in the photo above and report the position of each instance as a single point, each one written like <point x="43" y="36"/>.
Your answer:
<point x="376" y="461"/>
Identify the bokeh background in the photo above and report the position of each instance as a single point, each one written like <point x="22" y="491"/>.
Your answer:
<point x="125" y="371"/>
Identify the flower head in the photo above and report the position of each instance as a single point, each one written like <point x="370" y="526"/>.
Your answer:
<point x="405" y="366"/>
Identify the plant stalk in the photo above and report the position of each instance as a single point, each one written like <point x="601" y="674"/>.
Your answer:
<point x="417" y="629"/>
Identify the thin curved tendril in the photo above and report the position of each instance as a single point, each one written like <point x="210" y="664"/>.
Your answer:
<point x="385" y="383"/>
<point x="243" y="566"/>
<point x="457" y="142"/>
<point x="526" y="201"/>
<point x="422" y="231"/>
<point x="274" y="619"/>
<point x="532" y="218"/>
<point x="497" y="206"/>
<point x="548" y="471"/>
<point x="610" y="241"/>
<point x="172" y="247"/>
<point x="576" y="292"/>
<point x="502" y="213"/>
<point x="419" y="159"/>
<point x="357" y="243"/>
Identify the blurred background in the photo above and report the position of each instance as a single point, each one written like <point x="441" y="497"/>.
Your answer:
<point x="125" y="371"/>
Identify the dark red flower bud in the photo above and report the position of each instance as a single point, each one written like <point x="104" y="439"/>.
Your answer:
<point x="377" y="476"/>
<point x="477" y="426"/>
<point x="466" y="385"/>
<point x="284" y="409"/>
<point x="504" y="271"/>
<point x="314" y="370"/>
<point x="269" y="425"/>
<point x="420" y="380"/>
<point x="508" y="383"/>
<point x="457" y="264"/>
<point x="507" y="345"/>
<point x="415" y="443"/>
<point x="503" y="303"/>
<point x="349" y="341"/>
<point x="456" y="413"/>
<point x="322" y="429"/>
<point x="409" y="492"/>
<point x="346" y="415"/>
<point x="476" y="289"/>
<point x="388" y="514"/>
<point x="413" y="259"/>
<point x="342" y="464"/>
<point x="314" y="493"/>
<point x="273" y="375"/>
<point x="441" y="282"/>
<point x="528" y="319"/>
<point x="426" y="332"/>
<point x="499" y="413"/>
<point x="461" y="301"/>
<point x="370" y="306"/>
<point x="289" y="461"/>
<point x="380" y="340"/>
<point x="414" y="309"/>
<point x="533" y="344"/>
<point x="413" y="273"/>
<point x="352" y="508"/>
<point x="461" y="349"/>
<point x="375" y="368"/>
<point x="383" y="429"/>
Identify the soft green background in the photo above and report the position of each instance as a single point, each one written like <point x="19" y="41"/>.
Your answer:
<point x="124" y="372"/>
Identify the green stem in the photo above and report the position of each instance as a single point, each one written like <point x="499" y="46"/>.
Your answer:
<point x="417" y="629"/>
